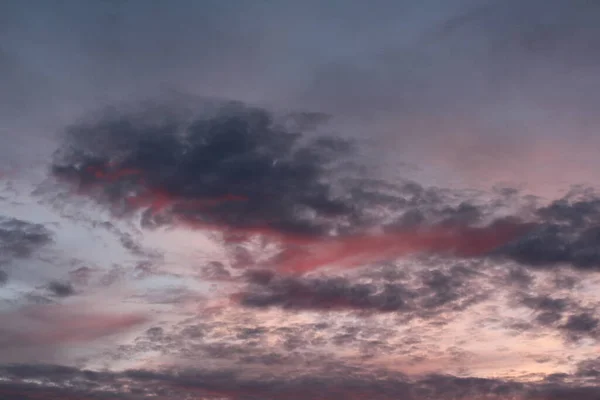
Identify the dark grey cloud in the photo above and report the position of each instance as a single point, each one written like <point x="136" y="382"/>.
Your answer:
<point x="427" y="294"/>
<point x="546" y="303"/>
<point x="566" y="233"/>
<point x="20" y="239"/>
<point x="340" y="382"/>
<point x="61" y="289"/>
<point x="589" y="368"/>
<point x="581" y="324"/>
<point x="327" y="294"/>
<point x="556" y="310"/>
<point x="549" y="311"/>
<point x="232" y="167"/>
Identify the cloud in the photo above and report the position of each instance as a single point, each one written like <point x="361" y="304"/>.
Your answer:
<point x="299" y="206"/>
<point x="286" y="201"/>
<point x="20" y="239"/>
<point x="43" y="329"/>
<point x="555" y="309"/>
<point x="589" y="368"/>
<point x="52" y="381"/>
<point x="360" y="250"/>
<point x="215" y="271"/>
<point x="61" y="289"/>
<point x="428" y="294"/>
<point x="323" y="295"/>
<point x="581" y="324"/>
<point x="567" y="233"/>
<point x="237" y="169"/>
<point x="233" y="168"/>
<point x="549" y="310"/>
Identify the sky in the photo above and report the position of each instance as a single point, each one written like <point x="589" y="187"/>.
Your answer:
<point x="290" y="200"/>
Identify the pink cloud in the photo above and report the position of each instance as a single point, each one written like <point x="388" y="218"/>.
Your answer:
<point x="57" y="325"/>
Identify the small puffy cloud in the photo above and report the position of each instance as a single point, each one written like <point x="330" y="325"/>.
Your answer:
<point x="20" y="239"/>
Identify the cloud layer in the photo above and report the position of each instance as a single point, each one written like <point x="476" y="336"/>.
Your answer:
<point x="382" y="201"/>
<point x="70" y="383"/>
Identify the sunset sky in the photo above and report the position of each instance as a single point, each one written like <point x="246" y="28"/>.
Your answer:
<point x="290" y="200"/>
